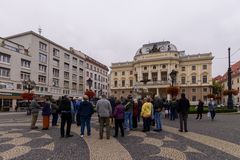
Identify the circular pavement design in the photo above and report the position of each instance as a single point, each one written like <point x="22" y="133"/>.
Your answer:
<point x="21" y="143"/>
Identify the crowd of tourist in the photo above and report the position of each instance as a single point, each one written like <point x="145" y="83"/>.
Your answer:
<point x="124" y="113"/>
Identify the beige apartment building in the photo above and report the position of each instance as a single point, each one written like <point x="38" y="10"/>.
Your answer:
<point x="154" y="62"/>
<point x="56" y="70"/>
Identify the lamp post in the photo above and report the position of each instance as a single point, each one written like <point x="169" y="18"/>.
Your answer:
<point x="230" y="99"/>
<point x="28" y="85"/>
<point x="89" y="82"/>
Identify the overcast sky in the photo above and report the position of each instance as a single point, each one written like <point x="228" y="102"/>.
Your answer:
<point x="113" y="30"/>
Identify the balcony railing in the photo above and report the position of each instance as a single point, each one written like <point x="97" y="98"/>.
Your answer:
<point x="153" y="83"/>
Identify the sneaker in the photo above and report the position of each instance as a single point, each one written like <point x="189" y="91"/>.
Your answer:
<point x="81" y="136"/>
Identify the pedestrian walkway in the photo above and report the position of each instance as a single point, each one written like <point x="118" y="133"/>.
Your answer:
<point x="18" y="142"/>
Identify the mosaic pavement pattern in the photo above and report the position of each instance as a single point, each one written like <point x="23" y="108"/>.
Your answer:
<point x="18" y="142"/>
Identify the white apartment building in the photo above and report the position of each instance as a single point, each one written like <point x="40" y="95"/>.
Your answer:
<point x="57" y="71"/>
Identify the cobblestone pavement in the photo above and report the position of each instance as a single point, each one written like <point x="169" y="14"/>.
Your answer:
<point x="206" y="139"/>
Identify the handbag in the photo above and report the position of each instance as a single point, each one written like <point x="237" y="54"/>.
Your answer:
<point x="208" y="114"/>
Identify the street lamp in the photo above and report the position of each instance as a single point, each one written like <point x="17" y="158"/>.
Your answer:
<point x="230" y="98"/>
<point x="28" y="85"/>
<point x="89" y="82"/>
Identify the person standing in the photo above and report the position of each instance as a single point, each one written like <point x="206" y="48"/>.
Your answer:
<point x="135" y="114"/>
<point x="54" y="108"/>
<point x="35" y="107"/>
<point x="157" y="106"/>
<point x="119" y="118"/>
<point x="146" y="114"/>
<point x="173" y="106"/>
<point x="128" y="113"/>
<point x="85" y="112"/>
<point x="78" y="103"/>
<point x="112" y="101"/>
<point x="183" y="107"/>
<point x="212" y="107"/>
<point x="46" y="112"/>
<point x="73" y="109"/>
<point x="66" y="116"/>
<point x="104" y="111"/>
<point x="139" y="108"/>
<point x="199" y="109"/>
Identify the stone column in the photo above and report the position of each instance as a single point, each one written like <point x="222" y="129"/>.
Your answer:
<point x="157" y="91"/>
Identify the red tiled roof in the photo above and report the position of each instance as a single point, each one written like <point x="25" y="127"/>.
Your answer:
<point x="235" y="71"/>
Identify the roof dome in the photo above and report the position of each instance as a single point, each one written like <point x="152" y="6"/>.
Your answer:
<point x="163" y="46"/>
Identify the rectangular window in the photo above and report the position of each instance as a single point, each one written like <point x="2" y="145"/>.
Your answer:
<point x="42" y="46"/>
<point x="154" y="76"/>
<point x="115" y="73"/>
<point x="25" y="76"/>
<point x="74" y="69"/>
<point x="66" y="84"/>
<point x="87" y="74"/>
<point x="194" y="79"/>
<point x="56" y="52"/>
<point x="41" y="79"/>
<point x="194" y="98"/>
<point x="183" y="68"/>
<point x="55" y="63"/>
<point x="145" y="76"/>
<point x="91" y="75"/>
<point x="99" y="78"/>
<point x="81" y="62"/>
<point x="42" y="58"/>
<point x="204" y="89"/>
<point x="204" y="67"/>
<point x="66" y="66"/>
<point x="74" y="77"/>
<point x="55" y="82"/>
<point x="66" y="56"/>
<point x="164" y="76"/>
<point x="91" y="67"/>
<point x="74" y="59"/>
<point x="4" y="72"/>
<point x="80" y="72"/>
<point x="204" y="79"/>
<point x="95" y="76"/>
<point x="80" y="79"/>
<point x="115" y="83"/>
<point x="25" y="63"/>
<point x="131" y="72"/>
<point x="123" y="73"/>
<point x="123" y="83"/>
<point x="42" y="68"/>
<point x="74" y="86"/>
<point x="4" y="58"/>
<point x="183" y="80"/>
<point x="87" y="65"/>
<point x="183" y="90"/>
<point x="80" y="87"/>
<point x="131" y="83"/>
<point x="55" y="72"/>
<point x="66" y="75"/>
<point x="193" y="68"/>
<point x="193" y="90"/>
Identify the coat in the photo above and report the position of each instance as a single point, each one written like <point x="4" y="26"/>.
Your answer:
<point x="183" y="106"/>
<point x="46" y="110"/>
<point x="85" y="109"/>
<point x="146" y="110"/>
<point x="104" y="108"/>
<point x="119" y="112"/>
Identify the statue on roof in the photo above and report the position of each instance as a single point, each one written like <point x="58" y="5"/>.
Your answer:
<point x="154" y="49"/>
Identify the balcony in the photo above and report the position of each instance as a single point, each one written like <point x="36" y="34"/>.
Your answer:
<point x="153" y="83"/>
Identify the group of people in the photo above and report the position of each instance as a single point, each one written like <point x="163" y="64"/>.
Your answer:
<point x="123" y="113"/>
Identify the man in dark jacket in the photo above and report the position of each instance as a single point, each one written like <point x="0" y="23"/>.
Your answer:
<point x="85" y="112"/>
<point x="66" y="115"/>
<point x="182" y="108"/>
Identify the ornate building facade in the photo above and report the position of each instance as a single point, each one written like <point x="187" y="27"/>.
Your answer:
<point x="153" y="64"/>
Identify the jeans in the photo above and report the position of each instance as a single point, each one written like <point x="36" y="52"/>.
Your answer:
<point x="85" y="120"/>
<point x="213" y="113"/>
<point x="73" y="117"/>
<point x="157" y="117"/>
<point x="54" y="119"/>
<point x="172" y="114"/>
<point x="146" y="124"/>
<point x="128" y="120"/>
